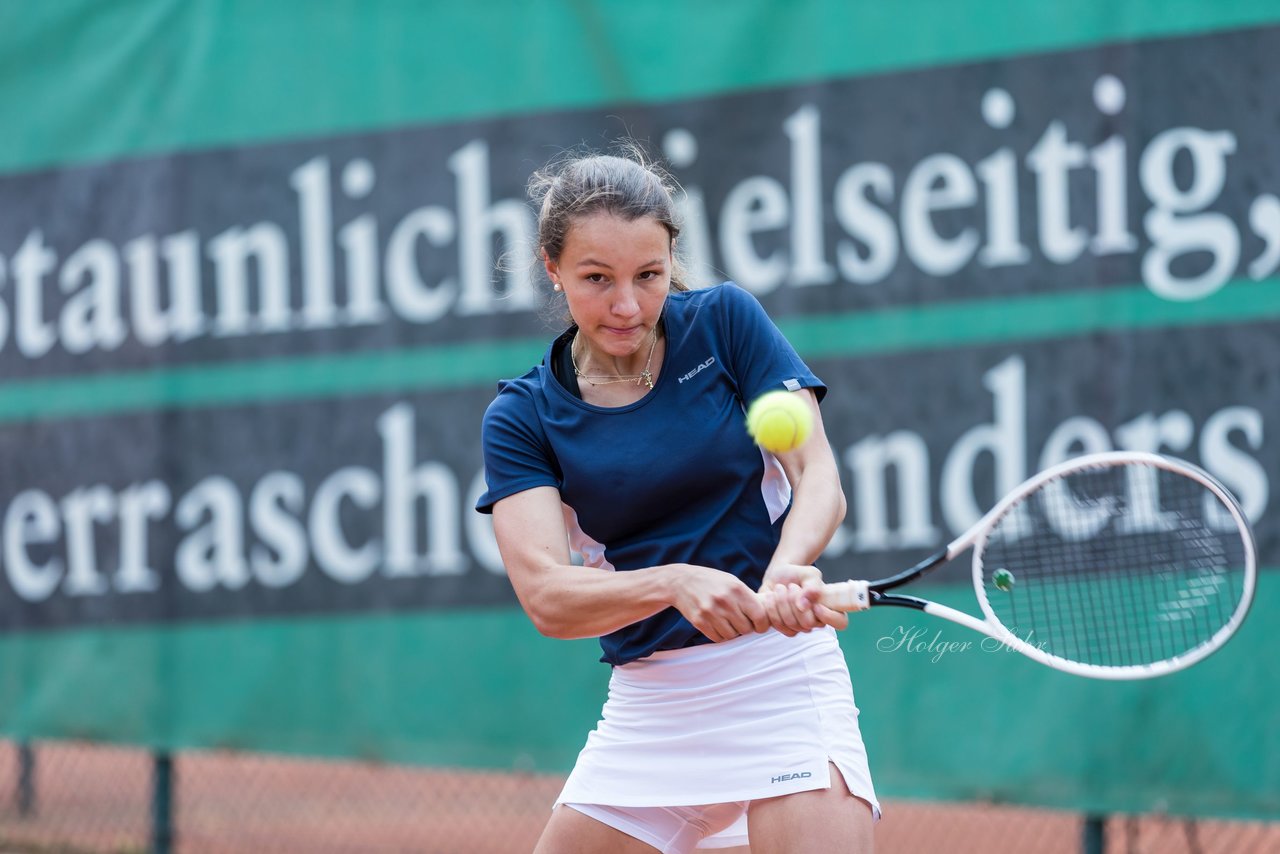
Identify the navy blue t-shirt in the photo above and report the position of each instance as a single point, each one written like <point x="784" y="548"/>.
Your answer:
<point x="671" y="478"/>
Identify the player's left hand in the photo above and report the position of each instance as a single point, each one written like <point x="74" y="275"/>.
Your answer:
<point x="791" y="595"/>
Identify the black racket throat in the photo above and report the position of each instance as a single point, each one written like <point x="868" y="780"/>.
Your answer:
<point x="897" y="600"/>
<point x="921" y="569"/>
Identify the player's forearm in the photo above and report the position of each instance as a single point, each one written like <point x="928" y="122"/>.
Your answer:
<point x="817" y="509"/>
<point x="575" y="602"/>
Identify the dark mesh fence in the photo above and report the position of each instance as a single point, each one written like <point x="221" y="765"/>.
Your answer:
<point x="76" y="797"/>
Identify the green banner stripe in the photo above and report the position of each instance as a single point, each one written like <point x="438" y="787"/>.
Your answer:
<point x="287" y="685"/>
<point x="971" y="323"/>
<point x="271" y="380"/>
<point x="1017" y="731"/>
<point x="79" y="77"/>
<point x="1027" y="318"/>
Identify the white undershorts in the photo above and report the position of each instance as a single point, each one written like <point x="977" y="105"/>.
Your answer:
<point x="699" y="733"/>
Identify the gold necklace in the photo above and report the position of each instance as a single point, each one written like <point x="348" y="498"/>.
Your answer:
<point x="644" y="376"/>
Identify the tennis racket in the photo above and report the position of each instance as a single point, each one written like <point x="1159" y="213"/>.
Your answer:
<point x="1112" y="566"/>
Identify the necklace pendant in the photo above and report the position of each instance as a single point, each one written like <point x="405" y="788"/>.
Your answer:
<point x="646" y="378"/>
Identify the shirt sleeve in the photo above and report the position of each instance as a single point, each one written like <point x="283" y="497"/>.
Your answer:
<point x="761" y="357"/>
<point x="516" y="453"/>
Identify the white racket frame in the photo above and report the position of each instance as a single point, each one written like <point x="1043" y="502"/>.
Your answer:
<point x="858" y="595"/>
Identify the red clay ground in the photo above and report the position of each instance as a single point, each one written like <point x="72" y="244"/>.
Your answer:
<point x="97" y="799"/>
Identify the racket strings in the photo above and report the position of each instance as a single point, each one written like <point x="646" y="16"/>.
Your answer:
<point x="1116" y="566"/>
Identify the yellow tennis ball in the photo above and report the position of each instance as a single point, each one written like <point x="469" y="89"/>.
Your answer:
<point x="779" y="421"/>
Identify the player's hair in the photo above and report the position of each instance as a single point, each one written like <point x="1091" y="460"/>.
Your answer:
<point x="627" y="184"/>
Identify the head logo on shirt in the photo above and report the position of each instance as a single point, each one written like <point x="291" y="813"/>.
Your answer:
<point x="711" y="360"/>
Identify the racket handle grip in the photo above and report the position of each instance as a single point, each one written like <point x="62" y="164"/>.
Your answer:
<point x="847" y="596"/>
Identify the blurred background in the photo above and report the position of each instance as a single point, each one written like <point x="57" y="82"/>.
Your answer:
<point x="262" y="264"/>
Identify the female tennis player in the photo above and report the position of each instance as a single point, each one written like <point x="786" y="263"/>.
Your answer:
<point x="728" y="712"/>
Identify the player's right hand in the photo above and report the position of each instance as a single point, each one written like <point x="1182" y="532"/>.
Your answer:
<point x="718" y="604"/>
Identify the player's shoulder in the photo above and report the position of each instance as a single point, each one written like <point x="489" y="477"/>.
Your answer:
<point x="725" y="301"/>
<point x="517" y="398"/>
<point x="713" y="294"/>
<point x="523" y="385"/>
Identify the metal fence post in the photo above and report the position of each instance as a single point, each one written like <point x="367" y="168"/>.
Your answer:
<point x="26" y="779"/>
<point x="162" y="804"/>
<point x="1092" y="839"/>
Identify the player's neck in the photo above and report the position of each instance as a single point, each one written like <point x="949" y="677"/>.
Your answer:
<point x="640" y="367"/>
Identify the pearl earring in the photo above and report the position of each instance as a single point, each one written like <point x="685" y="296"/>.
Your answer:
<point x="555" y="286"/>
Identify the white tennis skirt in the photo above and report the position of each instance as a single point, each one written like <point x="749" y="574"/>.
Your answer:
<point x="755" y="717"/>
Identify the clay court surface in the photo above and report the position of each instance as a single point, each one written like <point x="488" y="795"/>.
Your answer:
<point x="89" y="798"/>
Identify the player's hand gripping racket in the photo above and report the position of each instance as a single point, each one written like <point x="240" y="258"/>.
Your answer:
<point x="1114" y="566"/>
